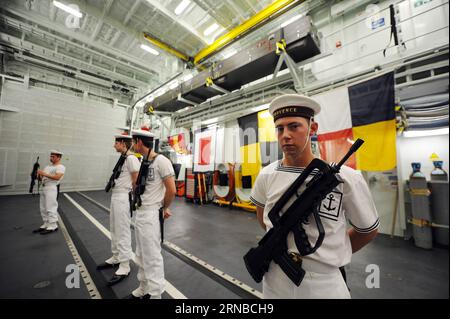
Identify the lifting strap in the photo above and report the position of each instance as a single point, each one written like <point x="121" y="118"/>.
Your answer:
<point x="393" y="29"/>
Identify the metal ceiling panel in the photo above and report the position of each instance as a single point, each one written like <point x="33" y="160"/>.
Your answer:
<point x="113" y="28"/>
<point x="250" y="64"/>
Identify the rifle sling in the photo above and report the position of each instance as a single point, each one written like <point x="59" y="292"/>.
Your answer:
<point x="274" y="214"/>
<point x="142" y="180"/>
<point x="118" y="167"/>
<point x="303" y="246"/>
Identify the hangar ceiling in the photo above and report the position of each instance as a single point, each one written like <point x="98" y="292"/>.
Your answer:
<point x="105" y="45"/>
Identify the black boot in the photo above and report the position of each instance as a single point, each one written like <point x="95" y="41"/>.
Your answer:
<point x="48" y="231"/>
<point x="116" y="279"/>
<point x="38" y="230"/>
<point x="131" y="296"/>
<point x="105" y="265"/>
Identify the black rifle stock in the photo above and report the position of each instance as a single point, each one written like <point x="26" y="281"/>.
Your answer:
<point x="130" y="202"/>
<point x="161" y="222"/>
<point x="136" y="200"/>
<point x="116" y="171"/>
<point x="34" y="176"/>
<point x="273" y="246"/>
<point x="134" y="197"/>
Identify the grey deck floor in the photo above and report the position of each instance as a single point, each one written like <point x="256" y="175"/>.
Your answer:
<point x="27" y="259"/>
<point x="221" y="237"/>
<point x="189" y="281"/>
<point x="218" y="235"/>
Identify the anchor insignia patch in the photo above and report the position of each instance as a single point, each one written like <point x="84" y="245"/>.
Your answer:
<point x="331" y="205"/>
<point x="151" y="174"/>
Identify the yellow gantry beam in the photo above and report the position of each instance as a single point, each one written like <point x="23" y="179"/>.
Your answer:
<point x="167" y="47"/>
<point x="221" y="42"/>
<point x="243" y="28"/>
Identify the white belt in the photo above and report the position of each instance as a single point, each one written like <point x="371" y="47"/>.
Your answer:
<point x="150" y="206"/>
<point x="49" y="185"/>
<point x="120" y="190"/>
<point x="318" y="267"/>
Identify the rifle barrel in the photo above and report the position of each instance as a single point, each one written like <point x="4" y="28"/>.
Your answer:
<point x="352" y="150"/>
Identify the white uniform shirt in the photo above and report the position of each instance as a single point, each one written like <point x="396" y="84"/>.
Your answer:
<point x="350" y="201"/>
<point x="131" y="165"/>
<point x="154" y="188"/>
<point x="53" y="170"/>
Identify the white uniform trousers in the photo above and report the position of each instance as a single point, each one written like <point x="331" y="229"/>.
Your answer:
<point x="49" y="206"/>
<point x="315" y="285"/>
<point x="119" y="223"/>
<point x="148" y="250"/>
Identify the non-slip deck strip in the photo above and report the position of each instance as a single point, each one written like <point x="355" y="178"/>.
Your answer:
<point x="234" y="284"/>
<point x="90" y="285"/>
<point x="170" y="289"/>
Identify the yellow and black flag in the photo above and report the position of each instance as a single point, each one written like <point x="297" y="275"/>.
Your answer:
<point x="249" y="145"/>
<point x="267" y="138"/>
<point x="258" y="142"/>
<point x="365" y="110"/>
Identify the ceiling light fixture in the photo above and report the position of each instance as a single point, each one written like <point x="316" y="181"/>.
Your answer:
<point x="149" y="50"/>
<point x="229" y="54"/>
<point x="213" y="27"/>
<point x="160" y="92"/>
<point x="173" y="84"/>
<point x="421" y="133"/>
<point x="289" y="21"/>
<point x="181" y="7"/>
<point x="187" y="77"/>
<point x="265" y="114"/>
<point x="210" y="121"/>
<point x="68" y="9"/>
<point x="260" y="108"/>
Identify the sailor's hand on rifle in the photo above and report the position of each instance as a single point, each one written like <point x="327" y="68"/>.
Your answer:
<point x="167" y="213"/>
<point x="41" y="173"/>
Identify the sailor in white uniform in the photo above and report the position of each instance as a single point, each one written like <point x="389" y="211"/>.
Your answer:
<point x="50" y="176"/>
<point x="350" y="202"/>
<point x="120" y="215"/>
<point x="159" y="192"/>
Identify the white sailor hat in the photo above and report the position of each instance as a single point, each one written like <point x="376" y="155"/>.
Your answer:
<point x="142" y="133"/>
<point x="123" y="136"/>
<point x="56" y="152"/>
<point x="293" y="105"/>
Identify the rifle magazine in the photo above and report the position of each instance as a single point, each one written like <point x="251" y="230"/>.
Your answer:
<point x="291" y="264"/>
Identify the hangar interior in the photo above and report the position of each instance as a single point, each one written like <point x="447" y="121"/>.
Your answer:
<point x="200" y="75"/>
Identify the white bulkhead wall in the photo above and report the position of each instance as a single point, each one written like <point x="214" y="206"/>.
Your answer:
<point x="82" y="129"/>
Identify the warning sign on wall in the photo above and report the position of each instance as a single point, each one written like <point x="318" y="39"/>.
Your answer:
<point x="434" y="157"/>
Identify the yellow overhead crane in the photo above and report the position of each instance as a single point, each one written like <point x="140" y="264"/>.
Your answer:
<point x="167" y="47"/>
<point x="272" y="10"/>
<point x="262" y="16"/>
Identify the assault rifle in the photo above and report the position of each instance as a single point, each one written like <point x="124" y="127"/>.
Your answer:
<point x="135" y="198"/>
<point x="161" y="223"/>
<point x="116" y="171"/>
<point x="34" y="176"/>
<point x="273" y="246"/>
